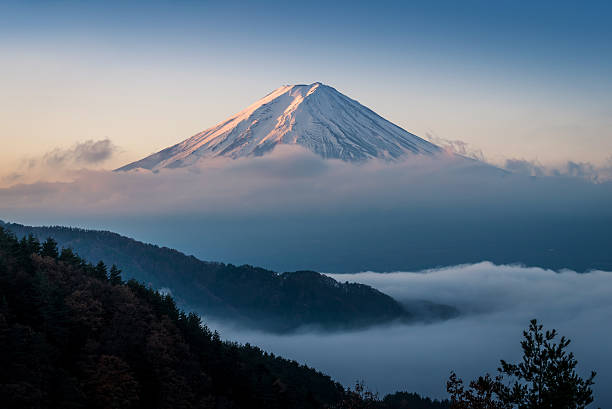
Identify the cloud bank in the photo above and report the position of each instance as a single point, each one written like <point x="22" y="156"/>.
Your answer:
<point x="497" y="302"/>
<point x="88" y="152"/>
<point x="60" y="163"/>
<point x="293" y="210"/>
<point x="584" y="170"/>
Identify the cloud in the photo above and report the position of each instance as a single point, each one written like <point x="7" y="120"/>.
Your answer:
<point x="83" y="153"/>
<point x="497" y="302"/>
<point x="486" y="288"/>
<point x="61" y="164"/>
<point x="525" y="167"/>
<point x="288" y="176"/>
<point x="293" y="210"/>
<point x="583" y="170"/>
<point x="588" y="171"/>
<point x="12" y="177"/>
<point x="457" y="146"/>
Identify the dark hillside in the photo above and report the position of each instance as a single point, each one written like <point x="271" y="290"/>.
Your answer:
<point x="74" y="335"/>
<point x="254" y="296"/>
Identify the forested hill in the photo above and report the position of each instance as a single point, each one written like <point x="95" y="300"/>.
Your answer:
<point x="74" y="335"/>
<point x="254" y="296"/>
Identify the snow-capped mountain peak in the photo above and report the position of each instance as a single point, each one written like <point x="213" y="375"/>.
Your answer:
<point x="315" y="116"/>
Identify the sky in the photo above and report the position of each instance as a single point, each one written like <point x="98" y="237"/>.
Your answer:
<point x="513" y="80"/>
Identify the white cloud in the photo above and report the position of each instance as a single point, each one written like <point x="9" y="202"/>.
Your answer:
<point x="497" y="303"/>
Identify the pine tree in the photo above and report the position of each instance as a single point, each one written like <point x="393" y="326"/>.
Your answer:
<point x="481" y="394"/>
<point x="546" y="377"/>
<point x="33" y="244"/>
<point x="100" y="271"/>
<point x="115" y="275"/>
<point x="67" y="256"/>
<point x="49" y="249"/>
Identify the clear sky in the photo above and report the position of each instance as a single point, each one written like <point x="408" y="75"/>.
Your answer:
<point x="526" y="80"/>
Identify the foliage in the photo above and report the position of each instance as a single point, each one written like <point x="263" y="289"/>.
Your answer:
<point x="362" y="398"/>
<point x="481" y="394"/>
<point x="114" y="275"/>
<point x="406" y="400"/>
<point x="546" y="378"/>
<point x="72" y="339"/>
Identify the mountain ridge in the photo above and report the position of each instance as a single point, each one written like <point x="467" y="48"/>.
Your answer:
<point x="315" y="116"/>
<point x="248" y="295"/>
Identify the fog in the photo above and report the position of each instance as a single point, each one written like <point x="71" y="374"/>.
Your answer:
<point x="292" y="210"/>
<point x="496" y="301"/>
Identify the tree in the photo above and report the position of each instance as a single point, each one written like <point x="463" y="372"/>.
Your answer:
<point x="482" y="393"/>
<point x="100" y="271"/>
<point x="67" y="256"/>
<point x="546" y="377"/>
<point x="33" y="244"/>
<point x="360" y="398"/>
<point x="115" y="275"/>
<point x="49" y="249"/>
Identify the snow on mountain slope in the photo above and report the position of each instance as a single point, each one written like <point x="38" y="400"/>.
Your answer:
<point x="314" y="116"/>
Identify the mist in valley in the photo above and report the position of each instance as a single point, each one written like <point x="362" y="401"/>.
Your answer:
<point x="496" y="303"/>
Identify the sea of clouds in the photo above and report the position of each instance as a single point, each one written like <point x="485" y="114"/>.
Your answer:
<point x="496" y="304"/>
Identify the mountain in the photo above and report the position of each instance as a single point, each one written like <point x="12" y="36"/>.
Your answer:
<point x="316" y="117"/>
<point x="251" y="296"/>
<point x="71" y="337"/>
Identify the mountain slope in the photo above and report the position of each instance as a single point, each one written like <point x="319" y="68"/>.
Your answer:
<point x="252" y="296"/>
<point x="73" y="337"/>
<point x="316" y="117"/>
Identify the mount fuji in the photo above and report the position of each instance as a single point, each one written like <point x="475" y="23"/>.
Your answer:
<point x="316" y="117"/>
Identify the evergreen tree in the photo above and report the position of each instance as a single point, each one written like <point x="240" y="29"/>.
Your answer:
<point x="70" y="340"/>
<point x="49" y="249"/>
<point x="67" y="256"/>
<point x="100" y="271"/>
<point x="481" y="394"/>
<point x="33" y="245"/>
<point x="546" y="377"/>
<point x="115" y="275"/>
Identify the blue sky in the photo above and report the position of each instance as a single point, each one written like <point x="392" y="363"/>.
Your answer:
<point x="515" y="79"/>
